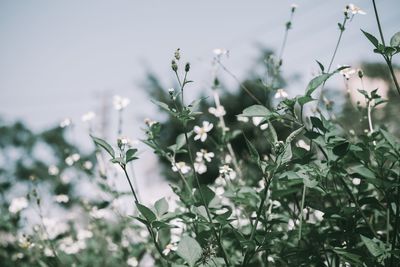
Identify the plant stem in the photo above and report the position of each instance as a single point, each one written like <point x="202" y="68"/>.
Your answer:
<point x="378" y="22"/>
<point x="301" y="211"/>
<point x="396" y="221"/>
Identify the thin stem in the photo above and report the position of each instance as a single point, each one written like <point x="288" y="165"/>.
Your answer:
<point x="378" y="22"/>
<point x="396" y="83"/>
<point x="396" y="221"/>
<point x="130" y="184"/>
<point x="301" y="210"/>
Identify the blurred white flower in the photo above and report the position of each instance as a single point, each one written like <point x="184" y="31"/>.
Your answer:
<point x="243" y="119"/>
<point x="257" y="120"/>
<point x="270" y="259"/>
<point x="88" y="165"/>
<point x="348" y="72"/>
<point x="180" y="166"/>
<point x="356" y="181"/>
<point x="264" y="126"/>
<point x="227" y="172"/>
<point x="61" y="198"/>
<point x="149" y="122"/>
<point x="84" y="234"/>
<point x="355" y="9"/>
<point x="200" y="167"/>
<point x="65" y="122"/>
<point x="281" y="93"/>
<point x="132" y="262"/>
<point x="301" y="143"/>
<point x="204" y="154"/>
<point x="201" y="132"/>
<point x="294" y="5"/>
<point x="168" y="248"/>
<point x="53" y="170"/>
<point x="48" y="252"/>
<point x="120" y="102"/>
<point x="218" y="111"/>
<point x="221" y="52"/>
<point x="18" y="204"/>
<point x="219" y="190"/>
<point x="88" y="116"/>
<point x="70" y="246"/>
<point x="54" y="227"/>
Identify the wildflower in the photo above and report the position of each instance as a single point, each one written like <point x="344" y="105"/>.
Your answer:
<point x="242" y="119"/>
<point x="218" y="111"/>
<point x="356" y="181"/>
<point x="133" y="262"/>
<point x="48" y="252"/>
<point x="180" y="166"/>
<point x="226" y="171"/>
<point x="84" y="234"/>
<point x="149" y="122"/>
<point x="264" y="126"/>
<point x="347" y="72"/>
<point x="201" y="132"/>
<point x="219" y="191"/>
<point x="294" y="6"/>
<point x="200" y="167"/>
<point x="75" y="157"/>
<point x="65" y="123"/>
<point x="355" y="9"/>
<point x="301" y="143"/>
<point x="24" y="242"/>
<point x="281" y="93"/>
<point x="270" y="259"/>
<point x="221" y="52"/>
<point x="171" y="91"/>
<point x="120" y="102"/>
<point x="88" y="165"/>
<point x="257" y="120"/>
<point x="88" y="116"/>
<point x="53" y="170"/>
<point x="170" y="247"/>
<point x="18" y="204"/>
<point x="54" y="227"/>
<point x="204" y="154"/>
<point x="61" y="198"/>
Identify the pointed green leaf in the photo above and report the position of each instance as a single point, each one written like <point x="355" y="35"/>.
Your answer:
<point x="130" y="155"/>
<point x="189" y="250"/>
<point x="161" y="206"/>
<point x="146" y="212"/>
<point x="395" y="40"/>
<point x="256" y="111"/>
<point x="103" y="144"/>
<point x="371" y="38"/>
<point x="316" y="82"/>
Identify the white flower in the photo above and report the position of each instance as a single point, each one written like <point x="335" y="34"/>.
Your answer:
<point x="88" y="116"/>
<point x="201" y="132"/>
<point x="18" y="204"/>
<point x="75" y="157"/>
<point x="54" y="227"/>
<point x="171" y="91"/>
<point x="88" y="165"/>
<point x="48" y="252"/>
<point x="294" y="6"/>
<point x="257" y="120"/>
<point x="227" y="172"/>
<point x="84" y="234"/>
<point x="264" y="126"/>
<point x="200" y="167"/>
<point x="243" y="119"/>
<point x="218" y="111"/>
<point x="204" y="154"/>
<point x="133" y="262"/>
<point x="220" y="52"/>
<point x="281" y="93"/>
<point x="301" y="143"/>
<point x="270" y="259"/>
<point x="61" y="198"/>
<point x="149" y="122"/>
<point x="69" y="161"/>
<point x="347" y="72"/>
<point x="53" y="170"/>
<point x="356" y="181"/>
<point x="169" y="248"/>
<point x="120" y="102"/>
<point x="355" y="9"/>
<point x="180" y="166"/>
<point x="65" y="122"/>
<point x="219" y="191"/>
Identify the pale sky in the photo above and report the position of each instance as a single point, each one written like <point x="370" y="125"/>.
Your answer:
<point x="57" y="57"/>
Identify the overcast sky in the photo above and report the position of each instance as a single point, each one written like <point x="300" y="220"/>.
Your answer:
<point x="58" y="57"/>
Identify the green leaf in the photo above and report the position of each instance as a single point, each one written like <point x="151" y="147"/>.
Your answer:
<point x="371" y="38"/>
<point x="161" y="105"/>
<point x="353" y="258"/>
<point x="395" y="40"/>
<point x="341" y="149"/>
<point x="189" y="250"/>
<point x="372" y="246"/>
<point x="103" y="144"/>
<point x="253" y="151"/>
<point x="161" y="206"/>
<point x="304" y="100"/>
<point x="287" y="154"/>
<point x="146" y="212"/>
<point x="389" y="138"/>
<point x="180" y="141"/>
<point x="317" y="123"/>
<point x="256" y="111"/>
<point x="207" y="193"/>
<point x="320" y="66"/>
<point x="316" y="82"/>
<point x="130" y="155"/>
<point x="363" y="171"/>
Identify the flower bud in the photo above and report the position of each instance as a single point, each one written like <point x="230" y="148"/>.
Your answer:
<point x="187" y="67"/>
<point x="360" y="73"/>
<point x="177" y="54"/>
<point x="174" y="66"/>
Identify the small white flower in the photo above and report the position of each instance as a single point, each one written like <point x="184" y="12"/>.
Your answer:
<point x="301" y="143"/>
<point x="221" y="52"/>
<point x="84" y="234"/>
<point x="18" y="204"/>
<point x="75" y="157"/>
<point x="319" y="215"/>
<point x="53" y="170"/>
<point x="65" y="122"/>
<point x="132" y="262"/>
<point x="48" y="252"/>
<point x="356" y="181"/>
<point x="171" y="91"/>
<point x="201" y="132"/>
<point x="257" y="120"/>
<point x="294" y="6"/>
<point x="204" y="154"/>
<point x="88" y="116"/>
<point x="355" y="9"/>
<point x="219" y="191"/>
<point x="149" y="122"/>
<point x="218" y="111"/>
<point x="88" y="165"/>
<point x="61" y="198"/>
<point x="169" y="248"/>
<point x="120" y="102"/>
<point x="69" y="161"/>
<point x="270" y="259"/>
<point x="281" y="93"/>
<point x="264" y="126"/>
<point x="243" y="119"/>
<point x="227" y="172"/>
<point x="180" y="166"/>
<point x="347" y="72"/>
<point x="200" y="167"/>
